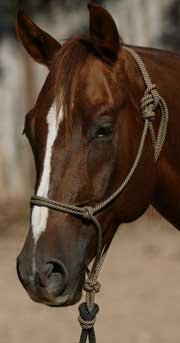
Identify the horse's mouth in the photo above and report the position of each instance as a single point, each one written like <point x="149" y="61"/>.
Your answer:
<point x="66" y="300"/>
<point x="70" y="296"/>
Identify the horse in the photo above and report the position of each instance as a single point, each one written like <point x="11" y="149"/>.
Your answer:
<point x="84" y="131"/>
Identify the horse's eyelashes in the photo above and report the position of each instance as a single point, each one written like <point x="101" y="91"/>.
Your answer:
<point x="101" y="132"/>
<point x="104" y="131"/>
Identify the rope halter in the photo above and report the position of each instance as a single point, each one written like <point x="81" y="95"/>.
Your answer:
<point x="148" y="104"/>
<point x="92" y="286"/>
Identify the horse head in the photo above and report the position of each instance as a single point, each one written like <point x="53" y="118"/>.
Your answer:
<point x="84" y="131"/>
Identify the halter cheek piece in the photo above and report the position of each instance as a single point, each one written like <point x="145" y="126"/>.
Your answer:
<point x="148" y="104"/>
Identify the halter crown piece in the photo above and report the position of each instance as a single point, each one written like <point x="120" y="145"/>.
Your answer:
<point x="148" y="104"/>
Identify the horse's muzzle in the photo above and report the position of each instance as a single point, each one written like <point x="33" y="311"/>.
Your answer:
<point x="47" y="284"/>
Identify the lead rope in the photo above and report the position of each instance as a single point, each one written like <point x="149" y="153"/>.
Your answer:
<point x="148" y="104"/>
<point x="89" y="309"/>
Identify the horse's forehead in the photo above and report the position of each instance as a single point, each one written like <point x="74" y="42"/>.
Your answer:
<point x="98" y="85"/>
<point x="94" y="86"/>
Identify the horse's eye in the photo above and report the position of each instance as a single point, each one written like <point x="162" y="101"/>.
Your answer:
<point x="104" y="131"/>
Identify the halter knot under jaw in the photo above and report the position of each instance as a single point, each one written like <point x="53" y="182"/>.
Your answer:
<point x="92" y="286"/>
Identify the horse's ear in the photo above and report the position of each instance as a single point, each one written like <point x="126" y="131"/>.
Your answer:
<point x="104" y="31"/>
<point x="39" y="44"/>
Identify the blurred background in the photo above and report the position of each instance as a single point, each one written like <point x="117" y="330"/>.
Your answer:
<point x="140" y="301"/>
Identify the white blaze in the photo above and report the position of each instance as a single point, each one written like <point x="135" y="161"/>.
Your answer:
<point x="40" y="214"/>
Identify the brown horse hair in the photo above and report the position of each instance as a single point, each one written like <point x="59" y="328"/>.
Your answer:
<point x="67" y="67"/>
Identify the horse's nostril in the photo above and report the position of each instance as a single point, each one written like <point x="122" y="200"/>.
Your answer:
<point x="53" y="277"/>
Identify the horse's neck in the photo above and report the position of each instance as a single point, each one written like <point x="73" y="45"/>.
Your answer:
<point x="167" y="194"/>
<point x="164" y="70"/>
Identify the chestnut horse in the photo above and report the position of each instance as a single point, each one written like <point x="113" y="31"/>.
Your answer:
<point x="84" y="131"/>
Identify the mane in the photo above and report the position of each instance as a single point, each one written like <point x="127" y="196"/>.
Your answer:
<point x="72" y="57"/>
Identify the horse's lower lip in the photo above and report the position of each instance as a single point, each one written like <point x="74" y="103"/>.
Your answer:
<point x="65" y="301"/>
<point x="49" y="301"/>
<point x="59" y="301"/>
<point x="68" y="299"/>
<point x="41" y="296"/>
<point x="70" y="296"/>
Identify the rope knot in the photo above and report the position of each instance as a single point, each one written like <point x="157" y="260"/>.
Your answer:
<point x="149" y="102"/>
<point x="92" y="286"/>
<point x="88" y="212"/>
<point x="87" y="318"/>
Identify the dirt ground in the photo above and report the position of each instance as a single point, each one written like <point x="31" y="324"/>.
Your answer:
<point x="140" y="298"/>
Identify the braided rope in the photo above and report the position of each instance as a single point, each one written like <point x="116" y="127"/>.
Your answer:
<point x="87" y="319"/>
<point x="148" y="104"/>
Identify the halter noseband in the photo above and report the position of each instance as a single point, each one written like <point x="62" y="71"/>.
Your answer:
<point x="148" y="104"/>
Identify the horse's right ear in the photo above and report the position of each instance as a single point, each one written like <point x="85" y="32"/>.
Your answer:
<point x="103" y="31"/>
<point x="39" y="44"/>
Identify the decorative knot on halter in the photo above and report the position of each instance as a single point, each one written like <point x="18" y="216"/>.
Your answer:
<point x="87" y="319"/>
<point x="88" y="213"/>
<point x="149" y="102"/>
<point x="92" y="286"/>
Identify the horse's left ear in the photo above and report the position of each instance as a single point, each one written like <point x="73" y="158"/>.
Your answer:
<point x="38" y="43"/>
<point x="103" y="31"/>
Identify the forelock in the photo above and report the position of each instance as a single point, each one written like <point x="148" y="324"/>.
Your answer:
<point x="67" y="69"/>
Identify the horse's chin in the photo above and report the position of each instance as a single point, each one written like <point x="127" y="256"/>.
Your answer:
<point x="60" y="301"/>
<point x="66" y="301"/>
<point x="69" y="297"/>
